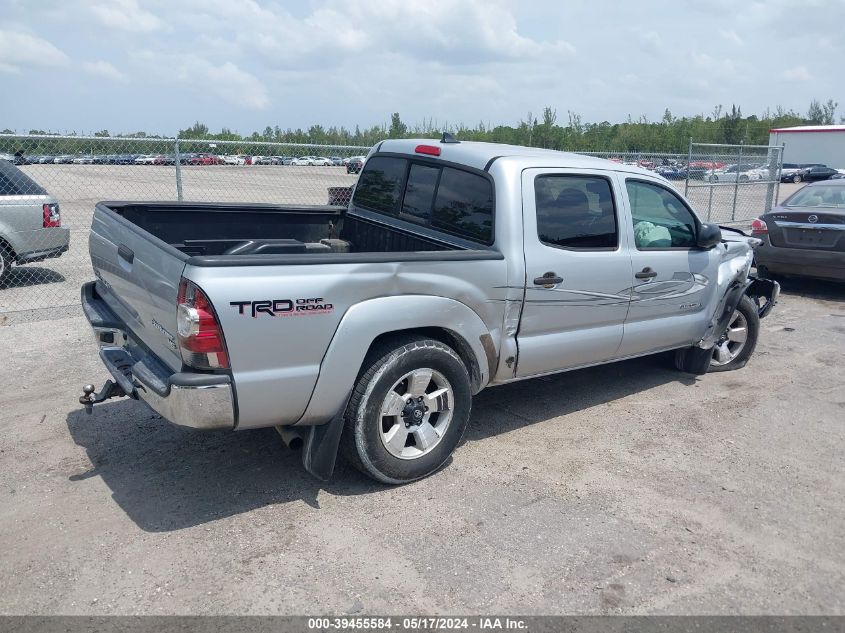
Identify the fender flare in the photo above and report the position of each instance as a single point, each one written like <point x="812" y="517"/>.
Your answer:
<point x="366" y="321"/>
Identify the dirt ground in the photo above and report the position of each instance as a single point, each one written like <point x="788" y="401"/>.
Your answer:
<point x="628" y="488"/>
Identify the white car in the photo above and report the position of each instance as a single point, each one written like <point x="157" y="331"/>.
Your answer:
<point x="146" y="159"/>
<point x="83" y="160"/>
<point x="322" y="161"/>
<point x="735" y="173"/>
<point x="303" y="160"/>
<point x="234" y="160"/>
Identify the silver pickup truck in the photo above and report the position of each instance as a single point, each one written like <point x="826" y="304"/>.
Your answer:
<point x="456" y="266"/>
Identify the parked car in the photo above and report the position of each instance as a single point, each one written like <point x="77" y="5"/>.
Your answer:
<point x="372" y="326"/>
<point x="816" y="173"/>
<point x="337" y="161"/>
<point x="322" y="161"/>
<point x="355" y="164"/>
<point x="30" y="221"/>
<point x="303" y="160"/>
<point x="265" y="160"/>
<point x="805" y="234"/>
<point x="735" y="173"/>
<point x="83" y="160"/>
<point x="146" y="159"/>
<point x="239" y="159"/>
<point x="205" y="159"/>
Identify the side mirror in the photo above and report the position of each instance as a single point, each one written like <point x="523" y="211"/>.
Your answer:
<point x="709" y="235"/>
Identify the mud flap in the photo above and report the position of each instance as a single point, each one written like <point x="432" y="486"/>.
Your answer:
<point x="321" y="444"/>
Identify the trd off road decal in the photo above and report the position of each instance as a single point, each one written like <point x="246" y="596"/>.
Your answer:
<point x="283" y="307"/>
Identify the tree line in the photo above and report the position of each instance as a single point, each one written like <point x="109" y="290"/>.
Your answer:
<point x="669" y="134"/>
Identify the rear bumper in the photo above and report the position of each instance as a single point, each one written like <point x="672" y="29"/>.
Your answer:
<point x="34" y="246"/>
<point x="42" y="255"/>
<point x="191" y="399"/>
<point x="802" y="262"/>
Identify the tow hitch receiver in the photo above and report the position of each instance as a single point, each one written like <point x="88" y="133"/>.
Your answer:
<point x="110" y="390"/>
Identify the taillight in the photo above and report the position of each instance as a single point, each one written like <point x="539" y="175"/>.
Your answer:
<point x="758" y="227"/>
<point x="201" y="340"/>
<point x="52" y="215"/>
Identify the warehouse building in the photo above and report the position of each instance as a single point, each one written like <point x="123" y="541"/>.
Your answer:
<point x="823" y="144"/>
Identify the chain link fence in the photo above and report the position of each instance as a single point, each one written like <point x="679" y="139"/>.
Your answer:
<point x="50" y="184"/>
<point x="726" y="184"/>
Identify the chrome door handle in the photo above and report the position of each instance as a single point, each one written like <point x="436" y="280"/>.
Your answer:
<point x="646" y="273"/>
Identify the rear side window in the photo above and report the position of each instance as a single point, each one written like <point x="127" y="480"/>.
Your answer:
<point x="450" y="200"/>
<point x="381" y="185"/>
<point x="575" y="212"/>
<point x="13" y="182"/>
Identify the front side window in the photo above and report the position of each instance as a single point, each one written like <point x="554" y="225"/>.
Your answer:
<point x="575" y="212"/>
<point x="661" y="219"/>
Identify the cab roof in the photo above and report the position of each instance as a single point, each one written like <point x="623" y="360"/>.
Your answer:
<point x="479" y="155"/>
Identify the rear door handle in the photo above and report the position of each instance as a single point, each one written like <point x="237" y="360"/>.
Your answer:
<point x="548" y="280"/>
<point x="126" y="253"/>
<point x="646" y="273"/>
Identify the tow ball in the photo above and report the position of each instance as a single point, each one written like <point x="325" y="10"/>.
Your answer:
<point x="110" y="390"/>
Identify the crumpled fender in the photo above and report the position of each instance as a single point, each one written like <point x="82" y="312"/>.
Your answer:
<point x="731" y="283"/>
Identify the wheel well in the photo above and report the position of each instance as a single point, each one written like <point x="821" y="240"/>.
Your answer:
<point x="5" y="246"/>
<point x="445" y="336"/>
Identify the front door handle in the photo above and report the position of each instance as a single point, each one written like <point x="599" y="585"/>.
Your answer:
<point x="548" y="280"/>
<point x="646" y="273"/>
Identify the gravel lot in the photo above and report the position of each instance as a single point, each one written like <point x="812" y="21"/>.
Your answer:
<point x="55" y="282"/>
<point x="628" y="488"/>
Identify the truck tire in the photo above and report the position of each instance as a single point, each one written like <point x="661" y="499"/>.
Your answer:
<point x="408" y="411"/>
<point x="5" y="263"/>
<point x="737" y="344"/>
<point x="731" y="351"/>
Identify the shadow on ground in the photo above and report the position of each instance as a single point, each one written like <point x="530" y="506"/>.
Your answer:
<point x="812" y="288"/>
<point x="168" y="478"/>
<point x="25" y="276"/>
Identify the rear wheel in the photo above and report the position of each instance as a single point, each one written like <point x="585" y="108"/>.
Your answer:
<point x="796" y="178"/>
<point x="408" y="411"/>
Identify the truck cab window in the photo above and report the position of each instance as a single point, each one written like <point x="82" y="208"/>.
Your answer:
<point x="575" y="212"/>
<point x="381" y="185"/>
<point x="661" y="219"/>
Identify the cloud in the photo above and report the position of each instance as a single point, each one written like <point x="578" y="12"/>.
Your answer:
<point x="731" y="36"/>
<point x="19" y="50"/>
<point x="103" y="69"/>
<point x="226" y="81"/>
<point x="649" y="41"/>
<point x="457" y="32"/>
<point x="126" y="15"/>
<point x="798" y="73"/>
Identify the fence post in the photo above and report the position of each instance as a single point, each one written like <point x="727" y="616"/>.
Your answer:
<point x="178" y="158"/>
<point x="689" y="160"/>
<point x="736" y="183"/>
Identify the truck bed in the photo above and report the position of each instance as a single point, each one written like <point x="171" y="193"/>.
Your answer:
<point x="236" y="230"/>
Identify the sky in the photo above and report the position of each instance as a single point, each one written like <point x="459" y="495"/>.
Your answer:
<point x="159" y="65"/>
